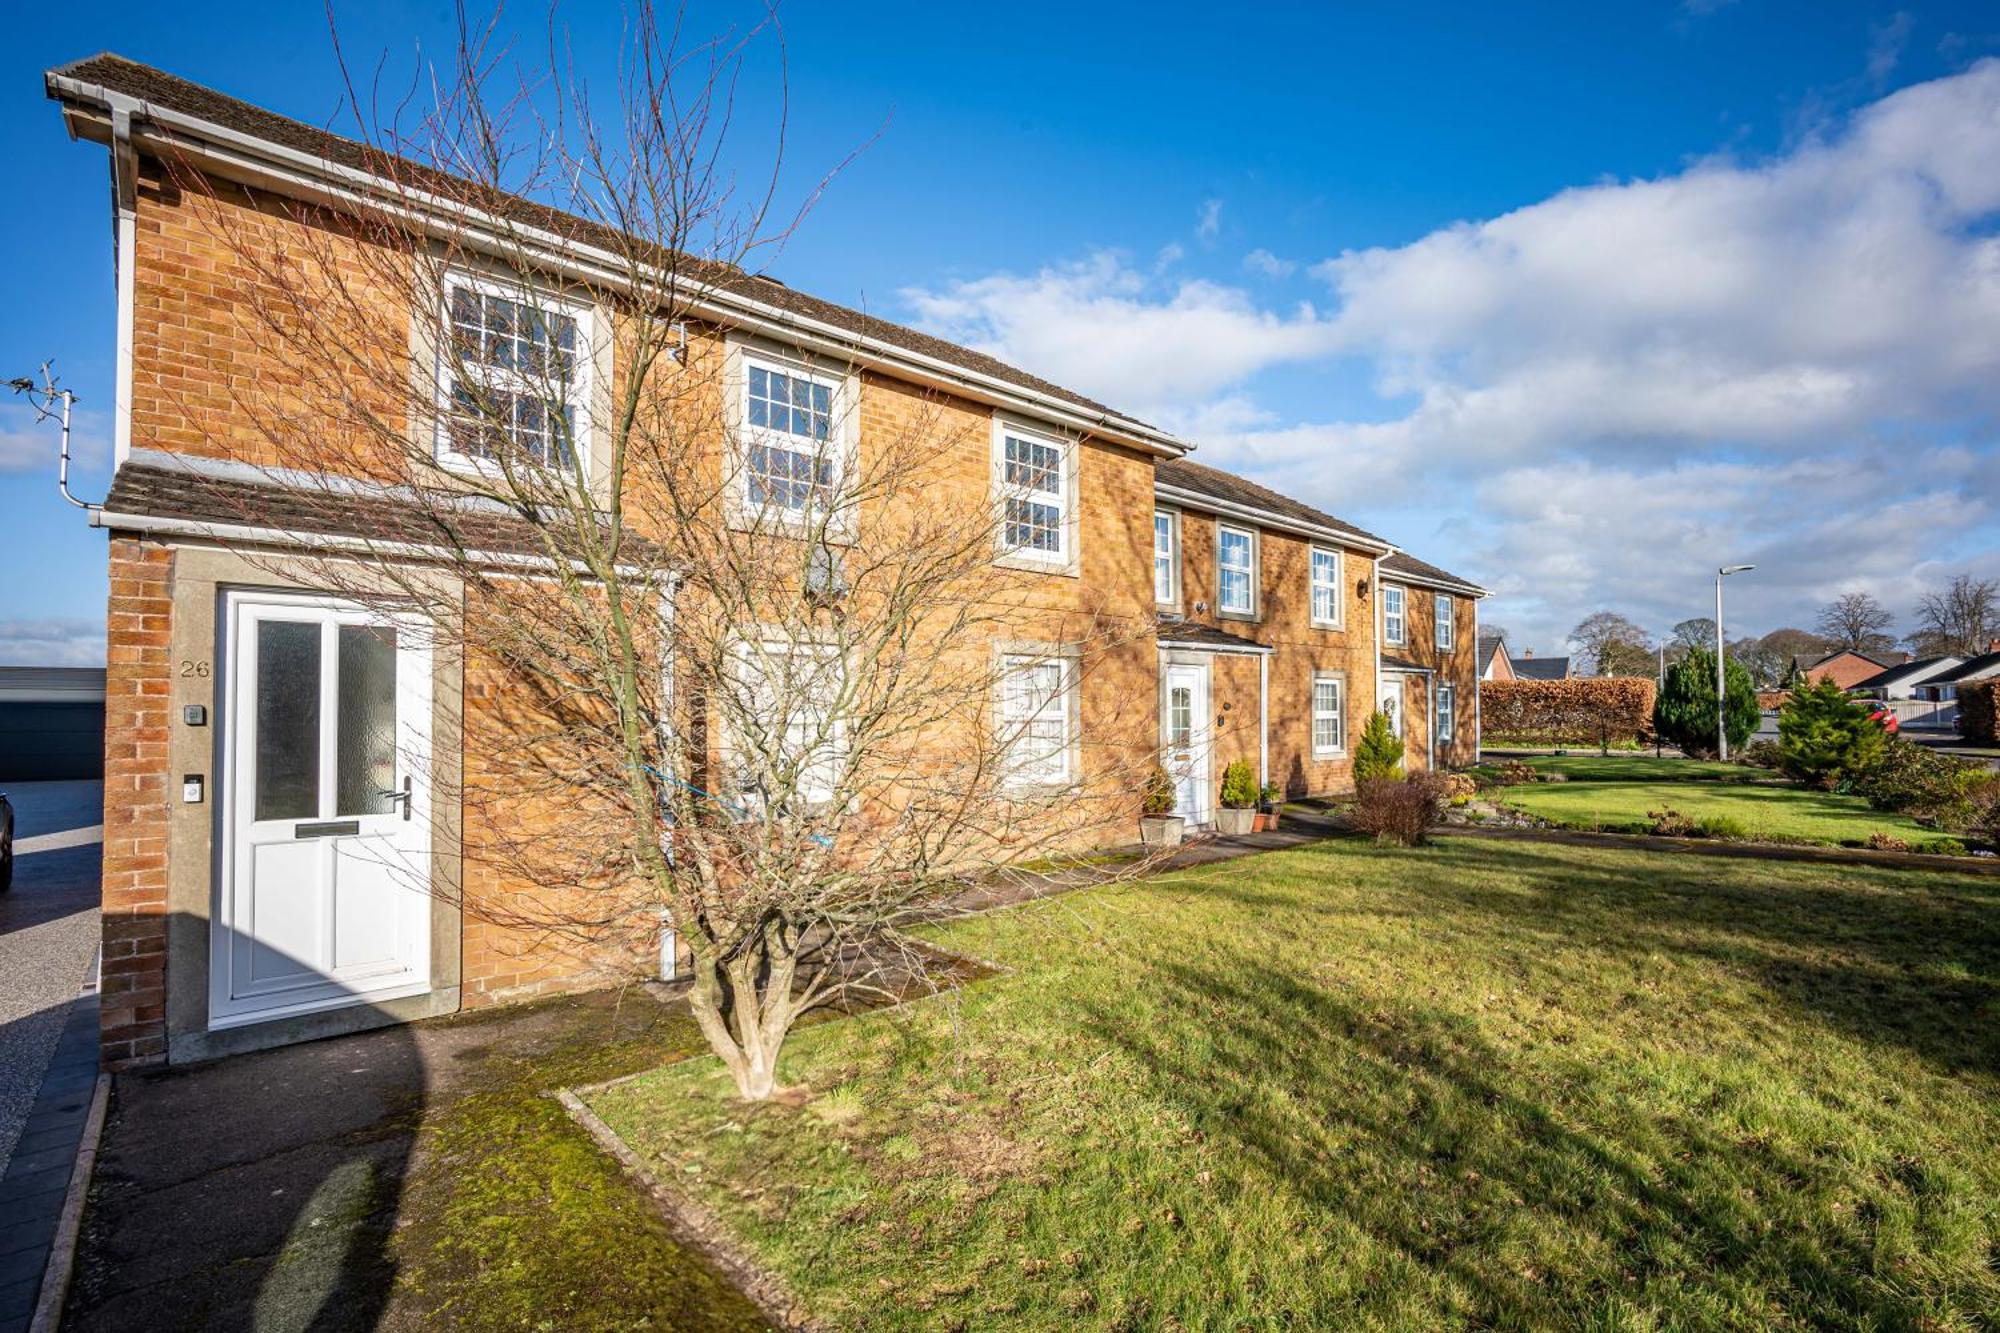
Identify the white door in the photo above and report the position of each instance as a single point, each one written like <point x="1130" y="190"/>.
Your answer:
<point x="1391" y="702"/>
<point x="325" y="886"/>
<point x="1186" y="728"/>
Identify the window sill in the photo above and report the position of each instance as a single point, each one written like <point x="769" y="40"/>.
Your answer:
<point x="1329" y="754"/>
<point x="1334" y="625"/>
<point x="1063" y="566"/>
<point x="1246" y="617"/>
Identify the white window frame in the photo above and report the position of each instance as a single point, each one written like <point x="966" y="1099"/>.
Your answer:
<point x="1064" y="558"/>
<point x="841" y="443"/>
<point x="1014" y="661"/>
<point x="1222" y="609"/>
<point x="751" y="659"/>
<point x="1338" y="715"/>
<point x="1402" y="614"/>
<point x="1447" y="705"/>
<point x="1441" y="619"/>
<point x="1171" y="595"/>
<point x="582" y="386"/>
<point x="1314" y="584"/>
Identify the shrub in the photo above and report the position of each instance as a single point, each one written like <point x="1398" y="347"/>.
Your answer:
<point x="1239" y="786"/>
<point x="1979" y="711"/>
<point x="1595" y="710"/>
<point x="1269" y="796"/>
<point x="1379" y="755"/>
<point x="1932" y="788"/>
<point x="1159" y="797"/>
<point x="1761" y="754"/>
<point x="1671" y="823"/>
<point x="1515" y="773"/>
<point x="1685" y="713"/>
<point x="1460" y="786"/>
<point x="1827" y="739"/>
<point x="1887" y="842"/>
<point x="1400" y="810"/>
<point x="1720" y="826"/>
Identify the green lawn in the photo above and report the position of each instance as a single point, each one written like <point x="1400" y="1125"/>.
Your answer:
<point x="1620" y="794"/>
<point x="1476" y="1085"/>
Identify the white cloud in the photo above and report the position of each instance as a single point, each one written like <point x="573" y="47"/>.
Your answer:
<point x="62" y="641"/>
<point x="1592" y="399"/>
<point x="1208" y="219"/>
<point x="27" y="445"/>
<point x="1269" y="265"/>
<point x="1101" y="326"/>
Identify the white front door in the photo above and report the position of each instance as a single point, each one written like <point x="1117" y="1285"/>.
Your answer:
<point x="324" y="897"/>
<point x="1186" y="729"/>
<point x="1391" y="702"/>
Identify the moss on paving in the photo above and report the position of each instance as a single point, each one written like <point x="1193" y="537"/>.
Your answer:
<point x="1476" y="1085"/>
<point x="514" y="1218"/>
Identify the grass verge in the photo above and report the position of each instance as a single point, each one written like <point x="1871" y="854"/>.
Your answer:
<point x="1475" y="1085"/>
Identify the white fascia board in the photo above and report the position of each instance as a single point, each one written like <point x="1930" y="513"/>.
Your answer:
<point x="246" y="158"/>
<point x="1266" y="518"/>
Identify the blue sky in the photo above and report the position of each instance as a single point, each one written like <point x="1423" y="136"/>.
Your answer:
<point x="1576" y="300"/>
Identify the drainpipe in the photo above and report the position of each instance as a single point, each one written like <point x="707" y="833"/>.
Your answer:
<point x="1263" y="721"/>
<point x="125" y="199"/>
<point x="1478" y="679"/>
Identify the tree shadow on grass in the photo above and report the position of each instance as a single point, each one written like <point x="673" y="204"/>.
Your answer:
<point x="1898" y="958"/>
<point x="1498" y="1200"/>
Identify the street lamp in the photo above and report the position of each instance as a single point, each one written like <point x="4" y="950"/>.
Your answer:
<point x="1721" y="695"/>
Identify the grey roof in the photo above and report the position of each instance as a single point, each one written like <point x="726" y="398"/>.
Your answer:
<point x="1973" y="668"/>
<point x="1920" y="669"/>
<point x="156" y="87"/>
<point x="1409" y="567"/>
<point x="1227" y="486"/>
<point x="1541" y="668"/>
<point x="148" y="490"/>
<point x="1191" y="634"/>
<point x="1489" y="644"/>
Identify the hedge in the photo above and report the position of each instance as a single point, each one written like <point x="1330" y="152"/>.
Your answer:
<point x="1979" y="711"/>
<point x="1588" y="710"/>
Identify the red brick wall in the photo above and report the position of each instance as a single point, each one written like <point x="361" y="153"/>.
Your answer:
<point x="136" y="780"/>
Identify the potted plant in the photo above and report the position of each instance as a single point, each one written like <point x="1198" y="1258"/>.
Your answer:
<point x="1159" y="826"/>
<point x="1267" y="807"/>
<point x="1239" y="800"/>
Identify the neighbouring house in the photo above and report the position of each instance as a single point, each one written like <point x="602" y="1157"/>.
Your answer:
<point x="1530" y="667"/>
<point x="1494" y="664"/>
<point x="51" y="723"/>
<point x="235" y="915"/>
<point x="1845" y="668"/>
<point x="1905" y="680"/>
<point x="1944" y="685"/>
<point x="1430" y="668"/>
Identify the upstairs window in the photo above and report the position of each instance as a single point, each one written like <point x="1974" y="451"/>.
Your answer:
<point x="1236" y="571"/>
<point x="514" y="376"/>
<point x="1034" y="490"/>
<point x="791" y="438"/>
<point x="1166" y="557"/>
<point x="1442" y="615"/>
<point x="1034" y="718"/>
<point x="1392" y="614"/>
<point x="1325" y="587"/>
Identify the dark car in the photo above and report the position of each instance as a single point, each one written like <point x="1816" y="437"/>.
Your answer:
<point x="6" y="842"/>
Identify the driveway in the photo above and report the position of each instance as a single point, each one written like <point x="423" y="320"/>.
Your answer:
<point x="48" y="932"/>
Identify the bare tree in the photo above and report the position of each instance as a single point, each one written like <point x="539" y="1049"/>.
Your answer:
<point x="1696" y="633"/>
<point x="1963" y="620"/>
<point x="738" y="665"/>
<point x="1614" y="645"/>
<point x="1856" y="622"/>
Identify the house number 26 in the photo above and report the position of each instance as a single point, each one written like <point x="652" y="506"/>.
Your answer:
<point x="193" y="669"/>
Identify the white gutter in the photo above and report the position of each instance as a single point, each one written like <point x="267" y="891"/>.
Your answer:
<point x="1181" y="496"/>
<point x="315" y="175"/>
<point x="1205" y="646"/>
<point x="333" y="542"/>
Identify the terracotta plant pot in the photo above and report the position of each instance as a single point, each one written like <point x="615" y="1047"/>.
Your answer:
<point x="1161" y="830"/>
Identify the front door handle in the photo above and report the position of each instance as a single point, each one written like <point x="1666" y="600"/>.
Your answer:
<point x="394" y="795"/>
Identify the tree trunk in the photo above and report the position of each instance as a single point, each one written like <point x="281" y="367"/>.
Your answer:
<point x="744" y="1009"/>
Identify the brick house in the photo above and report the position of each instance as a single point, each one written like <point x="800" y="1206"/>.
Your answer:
<point x="231" y="914"/>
